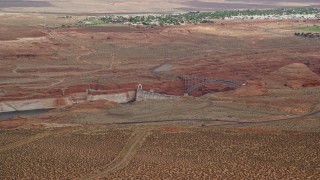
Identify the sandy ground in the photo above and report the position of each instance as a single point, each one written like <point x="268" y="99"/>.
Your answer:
<point x="157" y="152"/>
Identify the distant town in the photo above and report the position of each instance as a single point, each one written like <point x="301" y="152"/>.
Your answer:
<point x="153" y="20"/>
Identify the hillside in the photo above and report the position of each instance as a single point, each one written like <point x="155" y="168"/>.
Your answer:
<point x="139" y="6"/>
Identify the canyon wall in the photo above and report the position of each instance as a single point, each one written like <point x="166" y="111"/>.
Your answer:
<point x="33" y="104"/>
<point x="118" y="98"/>
<point x="51" y="103"/>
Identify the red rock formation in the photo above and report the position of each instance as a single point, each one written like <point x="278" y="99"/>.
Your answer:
<point x="296" y="75"/>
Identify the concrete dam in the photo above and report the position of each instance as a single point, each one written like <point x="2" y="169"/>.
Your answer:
<point x="50" y="103"/>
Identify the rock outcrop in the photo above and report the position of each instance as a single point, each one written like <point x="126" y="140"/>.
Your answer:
<point x="296" y="75"/>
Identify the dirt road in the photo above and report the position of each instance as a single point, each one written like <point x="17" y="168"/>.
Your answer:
<point x="124" y="157"/>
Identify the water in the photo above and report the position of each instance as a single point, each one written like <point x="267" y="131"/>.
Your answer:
<point x="317" y="114"/>
<point x="29" y="113"/>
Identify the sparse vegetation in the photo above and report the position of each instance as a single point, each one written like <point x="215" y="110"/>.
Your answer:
<point x="94" y="21"/>
<point x="168" y="152"/>
<point x="193" y="17"/>
<point x="267" y="128"/>
<point x="66" y="155"/>
<point x="307" y="35"/>
<point x="225" y="155"/>
<point x="314" y="28"/>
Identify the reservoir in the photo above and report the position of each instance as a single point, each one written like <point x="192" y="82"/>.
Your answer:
<point x="29" y="113"/>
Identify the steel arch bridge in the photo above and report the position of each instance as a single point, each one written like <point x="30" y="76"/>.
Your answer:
<point x="192" y="83"/>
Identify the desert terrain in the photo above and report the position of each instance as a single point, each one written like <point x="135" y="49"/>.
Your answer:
<point x="267" y="127"/>
<point x="149" y="6"/>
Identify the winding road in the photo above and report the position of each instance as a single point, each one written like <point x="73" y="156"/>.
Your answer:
<point x="227" y="122"/>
